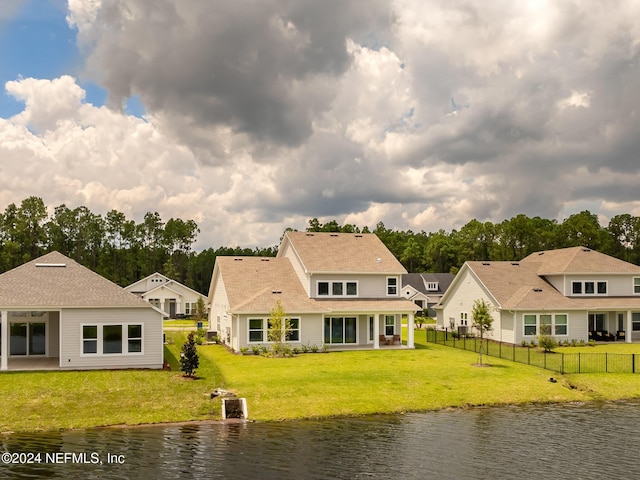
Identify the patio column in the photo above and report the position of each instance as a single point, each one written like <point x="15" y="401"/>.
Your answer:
<point x="376" y="331"/>
<point x="628" y="328"/>
<point x="410" y="331"/>
<point x="4" y="365"/>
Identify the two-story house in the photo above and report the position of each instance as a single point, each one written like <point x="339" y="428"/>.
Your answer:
<point x="574" y="293"/>
<point x="340" y="290"/>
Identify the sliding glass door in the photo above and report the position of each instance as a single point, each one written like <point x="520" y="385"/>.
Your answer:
<point x="340" y="330"/>
<point x="28" y="338"/>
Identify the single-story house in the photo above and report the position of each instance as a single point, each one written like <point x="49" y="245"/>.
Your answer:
<point x="340" y="290"/>
<point x="170" y="296"/>
<point x="572" y="293"/>
<point x="58" y="314"/>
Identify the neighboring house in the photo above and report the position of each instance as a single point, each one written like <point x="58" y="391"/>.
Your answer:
<point x="59" y="314"/>
<point x="341" y="290"/>
<point x="426" y="289"/>
<point x="577" y="292"/>
<point x="170" y="296"/>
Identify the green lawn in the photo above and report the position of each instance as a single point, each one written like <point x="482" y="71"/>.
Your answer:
<point x="309" y="385"/>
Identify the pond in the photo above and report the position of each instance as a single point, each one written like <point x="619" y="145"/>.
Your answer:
<point x="542" y="442"/>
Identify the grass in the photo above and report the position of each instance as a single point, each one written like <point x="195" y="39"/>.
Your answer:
<point x="309" y="385"/>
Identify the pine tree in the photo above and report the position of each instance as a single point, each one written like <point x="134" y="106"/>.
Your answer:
<point x="189" y="360"/>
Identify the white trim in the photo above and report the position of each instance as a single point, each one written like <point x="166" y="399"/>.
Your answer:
<point x="265" y="330"/>
<point x="100" y="339"/>
<point x="330" y="284"/>
<point x="397" y="287"/>
<point x="344" y="325"/>
<point x="583" y="284"/>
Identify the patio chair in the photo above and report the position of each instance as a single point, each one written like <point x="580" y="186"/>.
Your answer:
<point x="620" y="335"/>
<point x="396" y="340"/>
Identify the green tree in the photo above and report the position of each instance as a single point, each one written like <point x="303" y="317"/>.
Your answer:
<point x="545" y="340"/>
<point x="482" y="322"/>
<point x="189" y="360"/>
<point x="279" y="328"/>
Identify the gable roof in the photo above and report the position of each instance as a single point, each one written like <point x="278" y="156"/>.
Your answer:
<point x="255" y="284"/>
<point x="419" y="281"/>
<point x="55" y="280"/>
<point x="578" y="260"/>
<point x="326" y="252"/>
<point x="167" y="281"/>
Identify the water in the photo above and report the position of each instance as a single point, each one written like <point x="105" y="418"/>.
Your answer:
<point x="543" y="442"/>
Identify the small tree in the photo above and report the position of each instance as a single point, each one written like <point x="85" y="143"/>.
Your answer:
<point x="482" y="322"/>
<point x="545" y="340"/>
<point x="279" y="327"/>
<point x="189" y="360"/>
<point x="201" y="311"/>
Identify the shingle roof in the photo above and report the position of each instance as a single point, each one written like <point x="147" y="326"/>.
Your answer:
<point x="417" y="281"/>
<point x="255" y="284"/>
<point x="578" y="260"/>
<point x="250" y="284"/>
<point x="343" y="252"/>
<point x="55" y="280"/>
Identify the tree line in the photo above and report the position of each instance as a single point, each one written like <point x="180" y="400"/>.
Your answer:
<point x="125" y="251"/>
<point x="112" y="245"/>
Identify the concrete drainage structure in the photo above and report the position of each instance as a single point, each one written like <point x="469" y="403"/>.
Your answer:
<point x="235" y="408"/>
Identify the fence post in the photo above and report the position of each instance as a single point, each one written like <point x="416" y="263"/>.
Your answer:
<point x="606" y="363"/>
<point x="562" y="364"/>
<point x="579" y="362"/>
<point x="633" y="363"/>
<point x="514" y="352"/>
<point x="528" y="355"/>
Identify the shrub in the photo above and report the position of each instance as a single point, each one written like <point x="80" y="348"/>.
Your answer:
<point x="314" y="349"/>
<point x="244" y="350"/>
<point x="256" y="350"/>
<point x="524" y="343"/>
<point x="189" y="360"/>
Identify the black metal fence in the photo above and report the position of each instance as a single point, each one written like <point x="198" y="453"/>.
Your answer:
<point x="554" y="361"/>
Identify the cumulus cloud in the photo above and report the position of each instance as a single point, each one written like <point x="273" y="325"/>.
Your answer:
<point x="262" y="114"/>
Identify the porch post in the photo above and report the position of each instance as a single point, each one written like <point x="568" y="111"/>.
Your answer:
<point x="629" y="328"/>
<point x="4" y="365"/>
<point x="376" y="331"/>
<point x="410" y="332"/>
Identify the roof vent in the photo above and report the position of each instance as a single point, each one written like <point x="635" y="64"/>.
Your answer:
<point x="237" y="259"/>
<point x="264" y="259"/>
<point x="378" y="260"/>
<point x="358" y="236"/>
<point x="51" y="265"/>
<point x="486" y="264"/>
<point x="537" y="289"/>
<point x="309" y="234"/>
<point x="586" y="250"/>
<point x="333" y="234"/>
<point x="541" y="253"/>
<point x="276" y="291"/>
<point x="515" y="264"/>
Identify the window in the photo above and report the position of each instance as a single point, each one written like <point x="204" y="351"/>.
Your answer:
<point x="187" y="308"/>
<point x="112" y="339"/>
<point x="464" y="318"/>
<point x="89" y="339"/>
<point x="338" y="288"/>
<point x="389" y="325"/>
<point x="218" y="324"/>
<point x="392" y="285"/>
<point x="589" y="288"/>
<point x="530" y="325"/>
<point x="432" y="286"/>
<point x="636" y="285"/>
<point x="561" y="324"/>
<point x="545" y="324"/>
<point x="134" y="338"/>
<point x="635" y="321"/>
<point x="294" y="330"/>
<point x="155" y="302"/>
<point x="340" y="330"/>
<point x="256" y="330"/>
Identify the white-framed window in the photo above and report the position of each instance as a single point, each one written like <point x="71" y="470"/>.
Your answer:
<point x="432" y="286"/>
<point x="340" y="330"/>
<point x="392" y="286"/>
<point x="553" y="323"/>
<point x="636" y="285"/>
<point x="464" y="318"/>
<point x="635" y="321"/>
<point x="337" y="288"/>
<point x="218" y="324"/>
<point x="259" y="330"/>
<point x="389" y="325"/>
<point x="155" y="302"/>
<point x="293" y="335"/>
<point x="589" y="287"/>
<point x="112" y="339"/>
<point x="187" y="308"/>
<point x="256" y="330"/>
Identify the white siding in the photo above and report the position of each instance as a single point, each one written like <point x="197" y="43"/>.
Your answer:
<point x="219" y="306"/>
<point x="617" y="285"/>
<point x="311" y="331"/>
<point x="71" y="322"/>
<point x="289" y="253"/>
<point x="461" y="297"/>
<point x="577" y="325"/>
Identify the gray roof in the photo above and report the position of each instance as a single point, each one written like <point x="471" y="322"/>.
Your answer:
<point x="55" y="281"/>
<point x="419" y="281"/>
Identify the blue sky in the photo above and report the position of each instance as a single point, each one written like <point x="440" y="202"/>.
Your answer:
<point x="422" y="114"/>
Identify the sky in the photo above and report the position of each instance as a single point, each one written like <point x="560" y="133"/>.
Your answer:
<point x="252" y="116"/>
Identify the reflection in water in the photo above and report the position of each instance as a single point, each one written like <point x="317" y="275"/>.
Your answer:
<point x="545" y="442"/>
